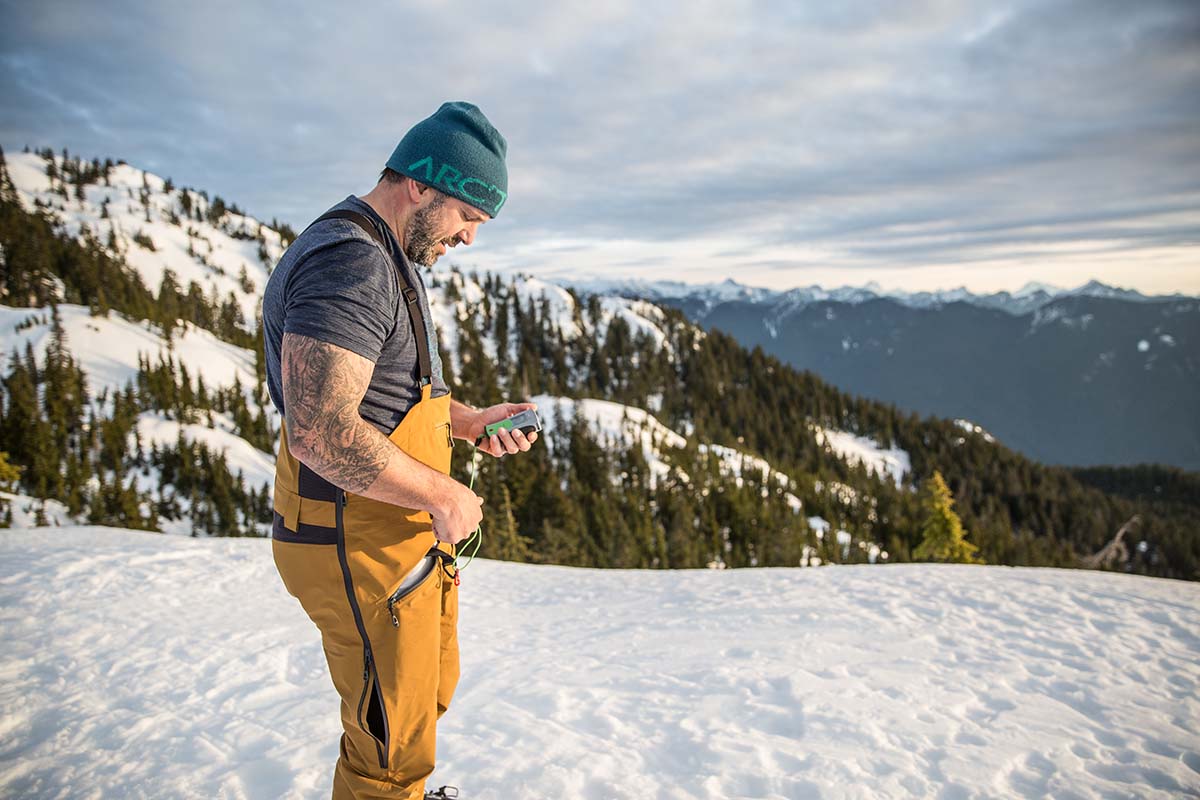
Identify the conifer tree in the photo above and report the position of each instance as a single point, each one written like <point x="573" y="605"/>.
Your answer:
<point x="943" y="537"/>
<point x="503" y="541"/>
<point x="10" y="475"/>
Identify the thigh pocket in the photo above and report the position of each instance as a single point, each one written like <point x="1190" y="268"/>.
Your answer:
<point x="420" y="581"/>
<point x="414" y="614"/>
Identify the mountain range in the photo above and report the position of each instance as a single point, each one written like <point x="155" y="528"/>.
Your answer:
<point x="1085" y="376"/>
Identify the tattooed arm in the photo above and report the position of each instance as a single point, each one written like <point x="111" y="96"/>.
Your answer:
<point x="322" y="387"/>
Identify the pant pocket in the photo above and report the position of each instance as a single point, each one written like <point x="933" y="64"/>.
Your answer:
<point x="414" y="582"/>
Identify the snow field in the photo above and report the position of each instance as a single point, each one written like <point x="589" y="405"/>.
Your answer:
<point x="107" y="348"/>
<point x="257" y="467"/>
<point x="892" y="463"/>
<point x="141" y="665"/>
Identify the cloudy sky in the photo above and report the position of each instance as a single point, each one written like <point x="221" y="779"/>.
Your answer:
<point x="918" y="144"/>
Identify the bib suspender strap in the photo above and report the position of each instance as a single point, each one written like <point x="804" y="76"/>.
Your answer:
<point x="412" y="298"/>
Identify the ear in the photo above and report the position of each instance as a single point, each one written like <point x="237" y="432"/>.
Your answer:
<point x="415" y="190"/>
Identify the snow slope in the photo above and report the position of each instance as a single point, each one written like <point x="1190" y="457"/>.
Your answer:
<point x="627" y="426"/>
<point x="893" y="462"/>
<point x="216" y="258"/>
<point x="139" y="665"/>
<point x="107" y="348"/>
<point x="564" y="314"/>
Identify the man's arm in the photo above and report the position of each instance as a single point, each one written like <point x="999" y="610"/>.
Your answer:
<point x="323" y="386"/>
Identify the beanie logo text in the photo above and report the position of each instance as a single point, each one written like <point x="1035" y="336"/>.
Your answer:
<point x="476" y="192"/>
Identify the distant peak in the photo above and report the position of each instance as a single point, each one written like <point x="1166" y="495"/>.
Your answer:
<point x="1037" y="287"/>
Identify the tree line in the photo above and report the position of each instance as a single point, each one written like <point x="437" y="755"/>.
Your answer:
<point x="88" y="453"/>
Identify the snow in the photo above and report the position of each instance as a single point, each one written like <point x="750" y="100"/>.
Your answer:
<point x="971" y="427"/>
<point x="734" y="462"/>
<point x="639" y="315"/>
<point x="1143" y="346"/>
<point x="24" y="511"/>
<point x="218" y="259"/>
<point x="140" y="665"/>
<point x="564" y="315"/>
<point x="561" y="304"/>
<point x="628" y="426"/>
<point x="1028" y="299"/>
<point x="107" y="348"/>
<point x="893" y="463"/>
<point x="710" y="293"/>
<point x="1032" y="288"/>
<point x="257" y="467"/>
<point x="613" y="422"/>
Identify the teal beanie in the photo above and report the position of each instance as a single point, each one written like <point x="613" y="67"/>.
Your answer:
<point x="456" y="151"/>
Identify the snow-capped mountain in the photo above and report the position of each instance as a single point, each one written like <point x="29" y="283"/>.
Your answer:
<point x="698" y="299"/>
<point x="1083" y="376"/>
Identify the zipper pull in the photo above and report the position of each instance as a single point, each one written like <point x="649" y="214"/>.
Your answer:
<point x="366" y="665"/>
<point x="395" y="621"/>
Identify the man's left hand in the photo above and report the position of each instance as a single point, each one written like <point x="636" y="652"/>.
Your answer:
<point x="504" y="442"/>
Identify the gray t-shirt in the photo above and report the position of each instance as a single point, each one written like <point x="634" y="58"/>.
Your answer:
<point x="336" y="285"/>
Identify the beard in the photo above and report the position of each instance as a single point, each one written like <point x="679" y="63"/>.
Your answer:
<point x="421" y="245"/>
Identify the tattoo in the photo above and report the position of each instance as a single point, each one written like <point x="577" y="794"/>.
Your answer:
<point x="322" y="387"/>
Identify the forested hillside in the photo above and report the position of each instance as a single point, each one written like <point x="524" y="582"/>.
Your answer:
<point x="713" y="455"/>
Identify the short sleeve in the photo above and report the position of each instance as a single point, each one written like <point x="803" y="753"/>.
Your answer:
<point x="344" y="295"/>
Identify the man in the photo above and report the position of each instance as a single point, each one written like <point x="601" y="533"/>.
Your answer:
<point x="366" y="515"/>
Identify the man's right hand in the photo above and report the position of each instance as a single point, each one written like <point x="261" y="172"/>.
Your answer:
<point x="459" y="515"/>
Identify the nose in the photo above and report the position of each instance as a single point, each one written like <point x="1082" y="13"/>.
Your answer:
<point x="467" y="234"/>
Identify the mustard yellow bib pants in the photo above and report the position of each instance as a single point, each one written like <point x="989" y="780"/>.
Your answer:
<point x="394" y="661"/>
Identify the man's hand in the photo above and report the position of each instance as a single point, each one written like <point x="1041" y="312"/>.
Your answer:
<point x="458" y="515"/>
<point x="504" y="442"/>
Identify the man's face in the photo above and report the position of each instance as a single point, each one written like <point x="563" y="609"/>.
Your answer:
<point x="443" y="222"/>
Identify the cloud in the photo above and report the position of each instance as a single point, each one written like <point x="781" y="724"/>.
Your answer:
<point x="864" y="134"/>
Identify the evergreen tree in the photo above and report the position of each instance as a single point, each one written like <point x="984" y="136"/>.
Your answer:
<point x="501" y="540"/>
<point x="10" y="475"/>
<point x="943" y="537"/>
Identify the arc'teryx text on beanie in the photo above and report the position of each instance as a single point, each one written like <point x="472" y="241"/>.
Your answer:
<point x="457" y="151"/>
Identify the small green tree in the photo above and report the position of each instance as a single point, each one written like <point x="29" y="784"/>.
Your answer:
<point x="10" y="475"/>
<point x="942" y="534"/>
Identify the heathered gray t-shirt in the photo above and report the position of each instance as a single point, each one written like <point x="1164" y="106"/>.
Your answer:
<point x="336" y="285"/>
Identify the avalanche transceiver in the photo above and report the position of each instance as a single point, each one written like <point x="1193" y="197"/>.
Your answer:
<point x="526" y="422"/>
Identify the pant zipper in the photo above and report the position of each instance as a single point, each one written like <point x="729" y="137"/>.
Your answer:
<point x="369" y="671"/>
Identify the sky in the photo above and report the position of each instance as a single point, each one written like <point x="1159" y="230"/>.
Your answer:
<point x="920" y="145"/>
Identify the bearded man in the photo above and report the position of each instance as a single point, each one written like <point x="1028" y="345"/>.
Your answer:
<point x="366" y="515"/>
